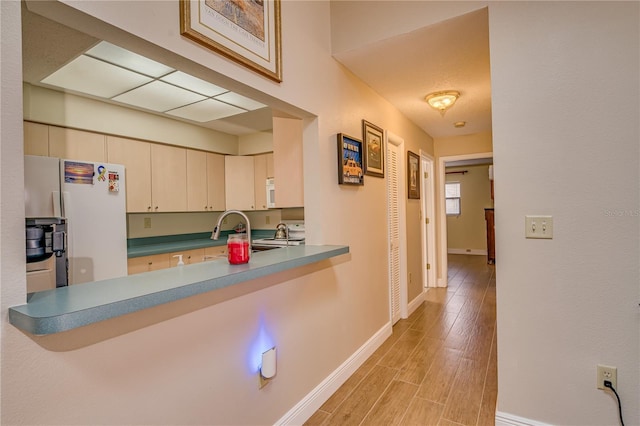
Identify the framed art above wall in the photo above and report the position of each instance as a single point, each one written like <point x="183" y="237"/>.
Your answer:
<point x="373" y="139"/>
<point x="413" y="175"/>
<point x="246" y="31"/>
<point x="350" y="160"/>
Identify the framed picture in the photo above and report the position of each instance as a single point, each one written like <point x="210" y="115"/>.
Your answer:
<point x="350" y="160"/>
<point x="413" y="175"/>
<point x="373" y="138"/>
<point x="246" y="31"/>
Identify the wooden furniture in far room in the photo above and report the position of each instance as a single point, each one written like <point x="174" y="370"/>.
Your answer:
<point x="491" y="239"/>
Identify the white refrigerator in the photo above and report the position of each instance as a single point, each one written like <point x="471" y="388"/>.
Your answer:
<point x="91" y="196"/>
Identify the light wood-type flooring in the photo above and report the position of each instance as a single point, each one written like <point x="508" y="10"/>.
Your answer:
<point x="439" y="365"/>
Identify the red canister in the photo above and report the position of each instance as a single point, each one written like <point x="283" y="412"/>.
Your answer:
<point x="238" y="249"/>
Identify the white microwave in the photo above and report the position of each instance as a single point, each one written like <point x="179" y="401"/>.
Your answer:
<point x="271" y="193"/>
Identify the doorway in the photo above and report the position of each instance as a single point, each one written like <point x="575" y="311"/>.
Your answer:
<point x="396" y="228"/>
<point x="442" y="216"/>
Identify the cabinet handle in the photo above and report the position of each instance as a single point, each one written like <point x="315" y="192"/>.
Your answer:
<point x="205" y="207"/>
<point x="211" y="208"/>
<point x="156" y="207"/>
<point x="149" y="208"/>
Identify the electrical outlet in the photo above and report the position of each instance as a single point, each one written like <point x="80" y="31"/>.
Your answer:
<point x="268" y="220"/>
<point x="607" y="373"/>
<point x="147" y="222"/>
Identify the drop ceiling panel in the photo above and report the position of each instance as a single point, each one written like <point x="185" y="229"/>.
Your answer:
<point x="95" y="77"/>
<point x="241" y="101"/>
<point x="187" y="81"/>
<point x="206" y="110"/>
<point x="159" y="96"/>
<point x="119" y="56"/>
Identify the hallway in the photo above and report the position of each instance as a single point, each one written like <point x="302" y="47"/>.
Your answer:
<point x="439" y="365"/>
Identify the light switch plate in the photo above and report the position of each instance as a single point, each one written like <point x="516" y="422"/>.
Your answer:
<point x="538" y="227"/>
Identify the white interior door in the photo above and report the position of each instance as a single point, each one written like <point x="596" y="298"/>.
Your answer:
<point x="428" y="222"/>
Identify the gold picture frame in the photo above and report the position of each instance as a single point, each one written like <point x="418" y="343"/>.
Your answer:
<point x="245" y="31"/>
<point x="413" y="175"/>
<point x="374" y="149"/>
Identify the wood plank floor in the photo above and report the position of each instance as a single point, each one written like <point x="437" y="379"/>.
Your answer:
<point x="439" y="365"/>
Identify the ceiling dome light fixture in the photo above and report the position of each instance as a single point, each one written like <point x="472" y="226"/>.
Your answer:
<point x="442" y="101"/>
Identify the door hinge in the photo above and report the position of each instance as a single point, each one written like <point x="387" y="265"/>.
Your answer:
<point x="426" y="175"/>
<point x="426" y="220"/>
<point x="428" y="266"/>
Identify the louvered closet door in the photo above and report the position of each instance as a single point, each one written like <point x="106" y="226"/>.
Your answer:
<point x="393" y="200"/>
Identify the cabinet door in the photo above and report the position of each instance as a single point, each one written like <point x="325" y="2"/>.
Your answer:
<point x="215" y="182"/>
<point x="197" y="181"/>
<point x="260" y="181"/>
<point x="36" y="139"/>
<point x="136" y="158"/>
<point x="189" y="257"/>
<point x="137" y="265"/>
<point x="76" y="144"/>
<point x="239" y="182"/>
<point x="215" y="252"/>
<point x="269" y="158"/>
<point x="287" y="158"/>
<point x="168" y="178"/>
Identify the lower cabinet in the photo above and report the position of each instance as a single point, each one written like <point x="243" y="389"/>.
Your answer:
<point x="136" y="265"/>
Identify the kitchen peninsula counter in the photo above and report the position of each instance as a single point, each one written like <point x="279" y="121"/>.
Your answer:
<point x="67" y="308"/>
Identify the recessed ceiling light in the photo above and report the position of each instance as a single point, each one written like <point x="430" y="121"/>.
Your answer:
<point x="95" y="77"/>
<point x="459" y="124"/>
<point x="192" y="83"/>
<point x="127" y="59"/>
<point x="159" y="96"/>
<point x="241" y="101"/>
<point x="206" y="110"/>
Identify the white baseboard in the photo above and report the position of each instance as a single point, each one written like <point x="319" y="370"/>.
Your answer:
<point x="413" y="305"/>
<point x="304" y="409"/>
<point x="475" y="252"/>
<point x="442" y="282"/>
<point x="506" y="419"/>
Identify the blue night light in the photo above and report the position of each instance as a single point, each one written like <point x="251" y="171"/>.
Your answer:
<point x="262" y="343"/>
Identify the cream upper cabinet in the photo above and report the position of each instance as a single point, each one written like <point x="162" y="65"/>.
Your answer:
<point x="136" y="158"/>
<point x="239" y="182"/>
<point x="205" y="181"/>
<point x="76" y="144"/>
<point x="263" y="169"/>
<point x="36" y="139"/>
<point x="216" y="182"/>
<point x="168" y="178"/>
<point x="288" y="170"/>
<point x="197" y="184"/>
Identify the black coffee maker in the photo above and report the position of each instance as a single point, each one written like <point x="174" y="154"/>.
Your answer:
<point x="45" y="237"/>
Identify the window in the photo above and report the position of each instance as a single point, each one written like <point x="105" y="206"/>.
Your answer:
<point x="452" y="198"/>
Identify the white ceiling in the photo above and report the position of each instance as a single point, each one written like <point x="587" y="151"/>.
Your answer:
<point x="450" y="55"/>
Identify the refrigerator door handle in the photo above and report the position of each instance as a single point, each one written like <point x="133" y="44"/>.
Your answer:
<point x="57" y="204"/>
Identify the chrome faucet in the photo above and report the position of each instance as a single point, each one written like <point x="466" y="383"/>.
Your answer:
<point x="216" y="231"/>
<point x="282" y="227"/>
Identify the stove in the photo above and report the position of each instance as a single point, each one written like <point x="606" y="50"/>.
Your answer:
<point x="296" y="237"/>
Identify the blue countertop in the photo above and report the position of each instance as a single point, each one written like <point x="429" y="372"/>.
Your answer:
<point x="66" y="308"/>
<point x="137" y="247"/>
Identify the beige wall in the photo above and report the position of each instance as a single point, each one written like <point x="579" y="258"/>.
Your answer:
<point x="191" y="362"/>
<point x="467" y="231"/>
<point x="570" y="303"/>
